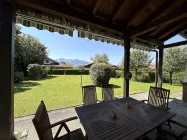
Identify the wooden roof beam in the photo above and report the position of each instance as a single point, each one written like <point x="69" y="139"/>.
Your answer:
<point x="175" y="44"/>
<point x="119" y="9"/>
<point x="166" y="28"/>
<point x="150" y="40"/>
<point x="96" y="6"/>
<point x="181" y="13"/>
<point x="139" y="8"/>
<point x="173" y="32"/>
<point x="64" y="10"/>
<point x="68" y="2"/>
<point x="159" y="11"/>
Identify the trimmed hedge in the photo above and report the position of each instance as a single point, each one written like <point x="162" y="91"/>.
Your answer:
<point x="68" y="72"/>
<point x="18" y="77"/>
<point x="178" y="78"/>
<point x="34" y="71"/>
<point x="100" y="73"/>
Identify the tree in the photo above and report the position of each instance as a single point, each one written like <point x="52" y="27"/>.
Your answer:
<point x="100" y="58"/>
<point x="121" y="64"/>
<point x="138" y="60"/>
<point x="28" y="50"/>
<point x="175" y="60"/>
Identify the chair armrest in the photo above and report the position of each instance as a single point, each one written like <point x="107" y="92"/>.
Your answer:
<point x="116" y="97"/>
<point x="144" y="101"/>
<point x="64" y="121"/>
<point x="179" y="124"/>
<point x="166" y="135"/>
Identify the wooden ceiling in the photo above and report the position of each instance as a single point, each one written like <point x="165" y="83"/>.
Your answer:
<point x="149" y="20"/>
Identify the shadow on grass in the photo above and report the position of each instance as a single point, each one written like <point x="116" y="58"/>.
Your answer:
<point x="23" y="86"/>
<point x="50" y="77"/>
<point x="116" y="86"/>
<point x="47" y="78"/>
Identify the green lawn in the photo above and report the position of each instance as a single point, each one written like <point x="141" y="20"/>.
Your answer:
<point x="64" y="91"/>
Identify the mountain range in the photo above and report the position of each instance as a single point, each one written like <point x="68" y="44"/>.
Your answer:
<point x="74" y="62"/>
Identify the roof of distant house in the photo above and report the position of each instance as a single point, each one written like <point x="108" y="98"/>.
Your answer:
<point x="54" y="61"/>
<point x="88" y="65"/>
<point x="114" y="66"/>
<point x="152" y="67"/>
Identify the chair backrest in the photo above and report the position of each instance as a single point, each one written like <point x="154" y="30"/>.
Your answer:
<point x="107" y="92"/>
<point x="159" y="97"/>
<point x="42" y="123"/>
<point x="89" y="94"/>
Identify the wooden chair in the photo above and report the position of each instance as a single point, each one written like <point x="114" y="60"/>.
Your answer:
<point x="89" y="94"/>
<point x="108" y="92"/>
<point x="44" y="127"/>
<point x="167" y="135"/>
<point x="158" y="97"/>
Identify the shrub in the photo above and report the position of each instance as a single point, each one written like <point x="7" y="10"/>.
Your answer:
<point x="113" y="72"/>
<point x="144" y="77"/>
<point x="34" y="71"/>
<point x="152" y="76"/>
<point x="100" y="73"/>
<point x="178" y="78"/>
<point x="18" y="77"/>
<point x="119" y="73"/>
<point x="166" y="77"/>
<point x="45" y="72"/>
<point x="50" y="70"/>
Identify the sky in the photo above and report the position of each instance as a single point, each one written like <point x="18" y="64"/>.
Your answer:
<point x="64" y="46"/>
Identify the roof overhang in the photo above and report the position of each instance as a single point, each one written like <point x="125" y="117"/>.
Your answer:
<point x="148" y="23"/>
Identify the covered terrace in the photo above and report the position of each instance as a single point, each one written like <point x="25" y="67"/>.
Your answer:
<point x="140" y="24"/>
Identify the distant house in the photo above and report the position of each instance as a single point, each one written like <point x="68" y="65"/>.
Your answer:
<point x="90" y="64"/>
<point x="152" y="67"/>
<point x="115" y="67"/>
<point x="50" y="61"/>
<point x="56" y="65"/>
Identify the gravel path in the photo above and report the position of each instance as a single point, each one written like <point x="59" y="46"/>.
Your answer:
<point x="25" y="123"/>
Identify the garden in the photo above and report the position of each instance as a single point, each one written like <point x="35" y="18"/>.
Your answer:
<point x="59" y="91"/>
<point x="61" y="88"/>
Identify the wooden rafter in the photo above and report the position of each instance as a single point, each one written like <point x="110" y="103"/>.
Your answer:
<point x="162" y="30"/>
<point x="96" y="6"/>
<point x="149" y="40"/>
<point x="175" y="44"/>
<point x="118" y="10"/>
<point x="68" y="2"/>
<point x="139" y="8"/>
<point x="57" y="9"/>
<point x="159" y="11"/>
<point x="176" y="30"/>
<point x="181" y="13"/>
<point x="183" y="34"/>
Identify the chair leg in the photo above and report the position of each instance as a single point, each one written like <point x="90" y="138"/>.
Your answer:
<point x="159" y="129"/>
<point x="169" y="125"/>
<point x="86" y="136"/>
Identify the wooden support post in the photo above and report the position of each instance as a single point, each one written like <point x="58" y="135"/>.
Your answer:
<point x="156" y="71"/>
<point x="7" y="30"/>
<point x="126" y="66"/>
<point x="160" y="67"/>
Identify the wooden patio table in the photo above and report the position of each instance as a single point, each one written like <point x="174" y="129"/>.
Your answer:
<point x="130" y="123"/>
